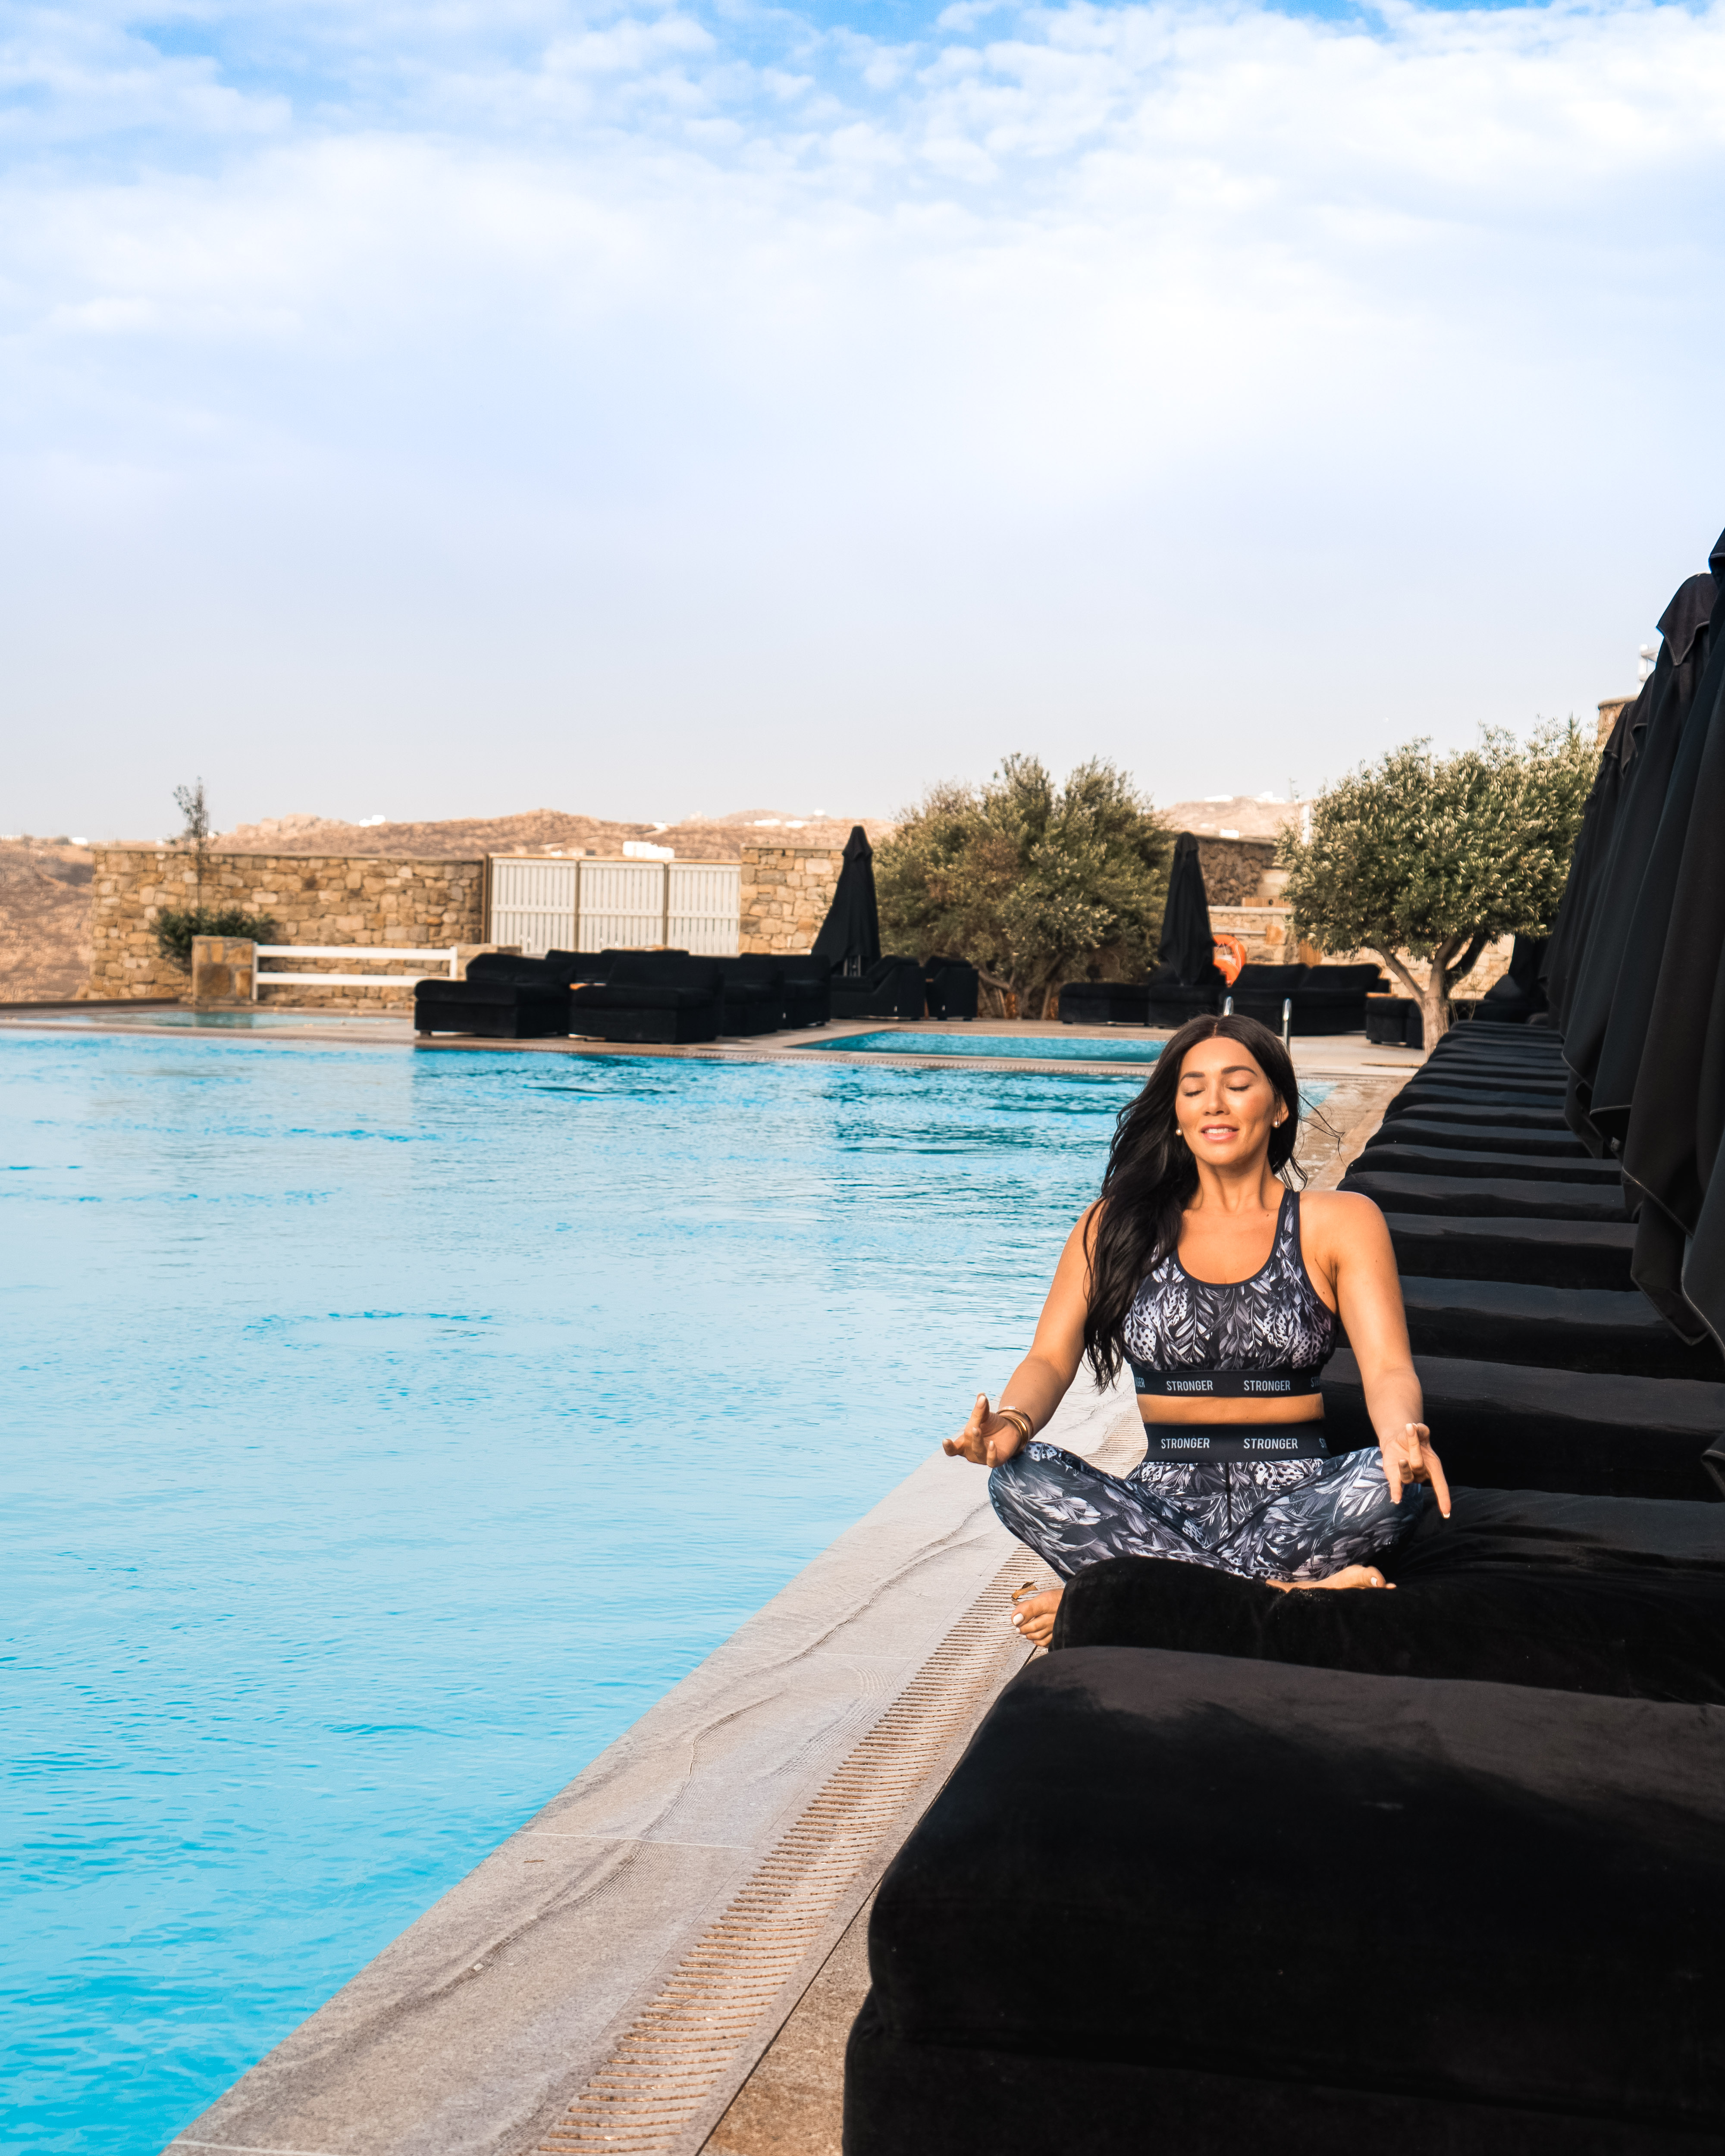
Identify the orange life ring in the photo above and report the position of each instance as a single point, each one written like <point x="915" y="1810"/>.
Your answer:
<point x="1230" y="957"/>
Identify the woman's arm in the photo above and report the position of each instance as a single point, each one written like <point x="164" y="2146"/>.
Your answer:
<point x="1039" y="1385"/>
<point x="1368" y="1297"/>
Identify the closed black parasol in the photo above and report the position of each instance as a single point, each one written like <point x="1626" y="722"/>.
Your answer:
<point x="1667" y="698"/>
<point x="1187" y="954"/>
<point x="850" y="937"/>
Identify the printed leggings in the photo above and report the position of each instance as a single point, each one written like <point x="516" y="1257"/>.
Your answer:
<point x="1289" y="1519"/>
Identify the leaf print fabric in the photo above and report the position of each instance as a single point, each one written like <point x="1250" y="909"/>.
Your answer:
<point x="1274" y="1321"/>
<point x="1293" y="1519"/>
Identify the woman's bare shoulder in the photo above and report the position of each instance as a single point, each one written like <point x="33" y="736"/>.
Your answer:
<point x="1340" y="1217"/>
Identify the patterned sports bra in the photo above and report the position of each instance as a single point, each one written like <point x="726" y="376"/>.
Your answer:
<point x="1267" y="1337"/>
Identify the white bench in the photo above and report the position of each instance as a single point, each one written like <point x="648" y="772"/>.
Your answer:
<point x="369" y="954"/>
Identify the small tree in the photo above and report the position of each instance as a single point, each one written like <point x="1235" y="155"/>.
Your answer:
<point x="1434" y="858"/>
<point x="1028" y="879"/>
<point x="190" y="802"/>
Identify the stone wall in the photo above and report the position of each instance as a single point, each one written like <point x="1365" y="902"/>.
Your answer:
<point x="784" y="896"/>
<point x="1235" y="870"/>
<point x="1267" y="932"/>
<point x="1611" y="710"/>
<point x="312" y="898"/>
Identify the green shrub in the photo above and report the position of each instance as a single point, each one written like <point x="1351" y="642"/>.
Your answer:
<point x="176" y="925"/>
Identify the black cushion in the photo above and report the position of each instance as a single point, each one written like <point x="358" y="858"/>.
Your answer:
<point x="1543" y="1071"/>
<point x="952" y="987"/>
<point x="752" y="969"/>
<point x="572" y="966"/>
<point x="1196" y="1905"/>
<point x="1567" y="1328"/>
<point x="1505" y="1426"/>
<point x="1255" y="980"/>
<point x="1414" y="1129"/>
<point x="671" y="969"/>
<point x="1500" y="1115"/>
<point x="640" y="995"/>
<point x="509" y="966"/>
<point x="1555" y="1253"/>
<point x="1104" y="1002"/>
<point x="494" y="1010"/>
<point x="1412" y="1098"/>
<point x="891" y="987"/>
<point x="1540" y="1046"/>
<point x="452" y="994"/>
<point x="1621" y="1596"/>
<point x="1487" y="1197"/>
<point x="1385" y="1155"/>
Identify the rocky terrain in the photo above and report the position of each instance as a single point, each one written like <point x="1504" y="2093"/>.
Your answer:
<point x="44" y="919"/>
<point x="1233" y="816"/>
<point x="541" y="831"/>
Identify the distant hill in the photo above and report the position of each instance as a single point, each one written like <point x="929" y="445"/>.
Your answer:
<point x="1233" y="815"/>
<point x="44" y="920"/>
<point x="543" y="830"/>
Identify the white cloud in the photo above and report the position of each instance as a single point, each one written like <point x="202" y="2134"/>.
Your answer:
<point x="647" y="390"/>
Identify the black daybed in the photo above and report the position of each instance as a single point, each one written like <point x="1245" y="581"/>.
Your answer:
<point x="505" y="996"/>
<point x="1180" y="1904"/>
<point x="651" y="996"/>
<point x="891" y="987"/>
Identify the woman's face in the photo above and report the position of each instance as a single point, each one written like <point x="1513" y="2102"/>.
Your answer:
<point x="1224" y="1106"/>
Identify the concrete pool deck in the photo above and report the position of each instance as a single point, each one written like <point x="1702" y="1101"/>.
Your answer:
<point x="692" y="1881"/>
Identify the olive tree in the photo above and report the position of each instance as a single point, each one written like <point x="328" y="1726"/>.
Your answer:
<point x="1030" y="880"/>
<point x="1426" y="859"/>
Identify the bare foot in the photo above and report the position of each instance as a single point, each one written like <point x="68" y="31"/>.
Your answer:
<point x="1351" y="1575"/>
<point x="1035" y="1615"/>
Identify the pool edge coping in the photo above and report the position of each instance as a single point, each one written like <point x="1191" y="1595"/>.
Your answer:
<point x="819" y="1667"/>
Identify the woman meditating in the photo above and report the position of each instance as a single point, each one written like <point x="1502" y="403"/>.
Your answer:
<point x="1204" y="1269"/>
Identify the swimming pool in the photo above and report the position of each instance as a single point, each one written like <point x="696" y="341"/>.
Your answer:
<point x="178" y="1017"/>
<point x="386" y="1431"/>
<point x="1010" y="1047"/>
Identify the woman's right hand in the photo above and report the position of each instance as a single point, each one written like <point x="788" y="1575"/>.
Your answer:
<point x="987" y="1438"/>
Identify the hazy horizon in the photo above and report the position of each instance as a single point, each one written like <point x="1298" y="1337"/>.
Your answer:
<point x="428" y="415"/>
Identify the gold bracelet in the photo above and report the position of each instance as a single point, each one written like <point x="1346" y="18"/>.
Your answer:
<point x="1020" y="1420"/>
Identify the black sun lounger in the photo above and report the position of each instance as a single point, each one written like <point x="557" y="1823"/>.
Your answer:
<point x="1567" y="1328"/>
<point x="1504" y="1426"/>
<point x="1413" y="1129"/>
<point x="1613" y="1595"/>
<point x="1390" y="1156"/>
<point x="1167" y="1903"/>
<point x="1498" y="1115"/>
<point x="1547" y="1253"/>
<point x="1486" y="1196"/>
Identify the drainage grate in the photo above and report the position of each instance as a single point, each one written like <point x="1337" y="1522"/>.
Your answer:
<point x="688" y="2050"/>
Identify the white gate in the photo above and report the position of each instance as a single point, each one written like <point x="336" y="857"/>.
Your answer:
<point x="533" y="903"/>
<point x="702" y="905"/>
<point x="622" y="906"/>
<point x="615" y="906"/>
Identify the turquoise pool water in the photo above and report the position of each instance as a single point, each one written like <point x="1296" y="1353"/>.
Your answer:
<point x="1010" y="1047"/>
<point x="385" y="1433"/>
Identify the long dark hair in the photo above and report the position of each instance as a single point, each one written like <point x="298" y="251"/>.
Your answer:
<point x="1151" y="1176"/>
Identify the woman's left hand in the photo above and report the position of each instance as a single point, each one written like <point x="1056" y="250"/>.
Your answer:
<point x="1409" y="1459"/>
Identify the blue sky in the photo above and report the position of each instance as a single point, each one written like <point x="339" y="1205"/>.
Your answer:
<point x="664" y="409"/>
